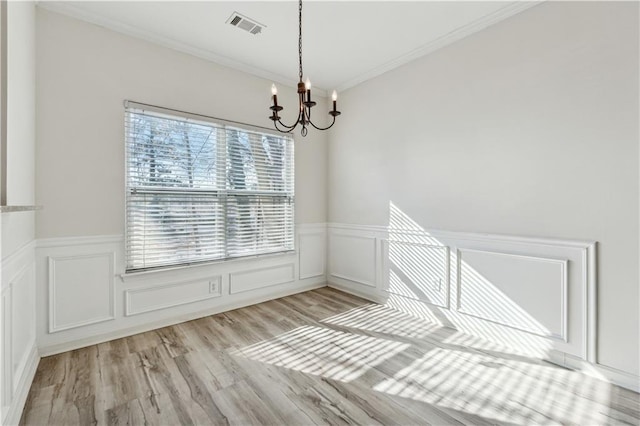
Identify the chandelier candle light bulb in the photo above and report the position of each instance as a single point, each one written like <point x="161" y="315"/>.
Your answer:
<point x="304" y="97"/>
<point x="274" y="92"/>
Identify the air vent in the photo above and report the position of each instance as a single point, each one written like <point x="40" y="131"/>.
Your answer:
<point x="244" y="23"/>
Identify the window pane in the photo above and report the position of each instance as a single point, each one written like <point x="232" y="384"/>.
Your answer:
<point x="257" y="162"/>
<point x="258" y="224"/>
<point x="241" y="172"/>
<point x="170" y="229"/>
<point x="171" y="153"/>
<point x="200" y="191"/>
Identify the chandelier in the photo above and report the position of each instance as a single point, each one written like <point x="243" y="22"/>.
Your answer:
<point x="304" y="97"/>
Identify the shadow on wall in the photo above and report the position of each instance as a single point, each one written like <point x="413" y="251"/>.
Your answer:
<point x="428" y="279"/>
<point x="452" y="338"/>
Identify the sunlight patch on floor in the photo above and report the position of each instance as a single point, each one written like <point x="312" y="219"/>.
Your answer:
<point x="472" y="331"/>
<point x="383" y="319"/>
<point x="502" y="390"/>
<point x="323" y="352"/>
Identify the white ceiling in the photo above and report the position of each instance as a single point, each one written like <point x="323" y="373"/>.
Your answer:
<point x="344" y="42"/>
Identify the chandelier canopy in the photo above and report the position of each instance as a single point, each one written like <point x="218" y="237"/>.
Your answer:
<point x="304" y="97"/>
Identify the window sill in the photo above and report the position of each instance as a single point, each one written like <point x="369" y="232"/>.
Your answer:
<point x="14" y="209"/>
<point x="136" y="275"/>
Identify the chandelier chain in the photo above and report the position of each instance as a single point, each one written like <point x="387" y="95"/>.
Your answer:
<point x="300" y="37"/>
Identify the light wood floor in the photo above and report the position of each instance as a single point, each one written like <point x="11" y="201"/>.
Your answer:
<point x="320" y="357"/>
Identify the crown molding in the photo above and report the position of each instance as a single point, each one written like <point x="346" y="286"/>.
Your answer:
<point x="67" y="9"/>
<point x="449" y="38"/>
<point x="70" y="10"/>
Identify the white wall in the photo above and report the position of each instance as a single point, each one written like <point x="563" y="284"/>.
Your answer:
<point x="17" y="308"/>
<point x="84" y="73"/>
<point x="18" y="228"/>
<point x="529" y="127"/>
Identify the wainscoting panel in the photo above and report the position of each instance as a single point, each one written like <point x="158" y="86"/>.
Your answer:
<point x="312" y="253"/>
<point x="23" y="322"/>
<point x="5" y="365"/>
<point x="85" y="295"/>
<point x="416" y="270"/>
<point x="259" y="278"/>
<point x="151" y="298"/>
<point x="536" y="295"/>
<point x="19" y="357"/>
<point x="524" y="292"/>
<point x="81" y="290"/>
<point x="353" y="257"/>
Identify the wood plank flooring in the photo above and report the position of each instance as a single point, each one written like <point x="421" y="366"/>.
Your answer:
<point x="320" y="357"/>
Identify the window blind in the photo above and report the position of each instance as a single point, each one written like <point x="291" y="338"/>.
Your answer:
<point x="204" y="189"/>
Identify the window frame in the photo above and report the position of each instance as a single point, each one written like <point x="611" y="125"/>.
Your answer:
<point x="224" y="126"/>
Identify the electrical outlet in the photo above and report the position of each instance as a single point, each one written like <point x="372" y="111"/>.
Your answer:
<point x="438" y="284"/>
<point x="214" y="287"/>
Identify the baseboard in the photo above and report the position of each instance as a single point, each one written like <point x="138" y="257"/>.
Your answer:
<point x="602" y="372"/>
<point x="609" y="374"/>
<point x="620" y="378"/>
<point x="24" y="384"/>
<point x="93" y="340"/>
<point x="368" y="295"/>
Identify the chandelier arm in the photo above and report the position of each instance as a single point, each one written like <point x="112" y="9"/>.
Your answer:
<point x="295" y="123"/>
<point x="282" y="131"/>
<point x="324" y="128"/>
<point x="287" y="127"/>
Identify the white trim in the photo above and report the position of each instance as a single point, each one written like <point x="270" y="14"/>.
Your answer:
<point x="564" y="317"/>
<point x="447" y="270"/>
<point x="613" y="375"/>
<point x="322" y="233"/>
<point x="354" y="280"/>
<point x="15" y="256"/>
<point x="77" y="241"/>
<point x="375" y="258"/>
<point x="216" y="280"/>
<point x="6" y="353"/>
<point x="26" y="250"/>
<point x="591" y="310"/>
<point x="154" y="325"/>
<point x="167" y="42"/>
<point x="368" y="294"/>
<point x="129" y="276"/>
<point x="587" y="249"/>
<point x="455" y="35"/>
<point x="288" y="279"/>
<point x="356" y="227"/>
<point x="464" y="235"/>
<point x="22" y="388"/>
<point x="383" y="270"/>
<point x="619" y="377"/>
<point x="53" y="327"/>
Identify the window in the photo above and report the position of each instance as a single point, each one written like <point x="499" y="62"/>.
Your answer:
<point x="201" y="189"/>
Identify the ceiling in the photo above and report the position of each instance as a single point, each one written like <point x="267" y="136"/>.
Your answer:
<point x="344" y="42"/>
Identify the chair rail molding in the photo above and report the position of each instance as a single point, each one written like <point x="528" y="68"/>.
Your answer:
<point x="121" y="304"/>
<point x="571" y="263"/>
